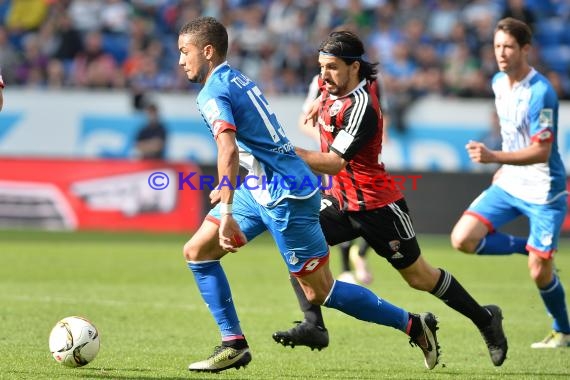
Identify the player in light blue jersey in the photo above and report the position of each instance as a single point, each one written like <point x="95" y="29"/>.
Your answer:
<point x="531" y="181"/>
<point x="286" y="203"/>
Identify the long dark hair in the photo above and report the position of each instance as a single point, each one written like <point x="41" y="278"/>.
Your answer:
<point x="348" y="47"/>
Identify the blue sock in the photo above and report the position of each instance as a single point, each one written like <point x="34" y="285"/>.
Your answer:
<point x="555" y="302"/>
<point x="361" y="303"/>
<point x="215" y="290"/>
<point x="497" y="243"/>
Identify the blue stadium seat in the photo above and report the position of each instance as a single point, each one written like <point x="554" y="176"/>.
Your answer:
<point x="541" y="8"/>
<point x="556" y="57"/>
<point x="550" y="32"/>
<point x="117" y="45"/>
<point x="565" y="78"/>
<point x="566" y="36"/>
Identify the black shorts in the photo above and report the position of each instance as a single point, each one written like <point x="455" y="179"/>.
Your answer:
<point x="388" y="229"/>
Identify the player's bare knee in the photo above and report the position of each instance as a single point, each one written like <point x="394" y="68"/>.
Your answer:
<point x="540" y="276"/>
<point x="463" y="243"/>
<point x="534" y="274"/>
<point x="190" y="251"/>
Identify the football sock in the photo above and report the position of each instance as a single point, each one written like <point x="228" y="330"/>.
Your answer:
<point x="312" y="313"/>
<point x="450" y="291"/>
<point x="498" y="243"/>
<point x="414" y="326"/>
<point x="555" y="302"/>
<point x="238" y="344"/>
<point x="344" y="248"/>
<point x="361" y="303"/>
<point x="215" y="291"/>
<point x="363" y="248"/>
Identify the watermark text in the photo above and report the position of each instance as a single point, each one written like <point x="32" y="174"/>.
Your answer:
<point x="195" y="181"/>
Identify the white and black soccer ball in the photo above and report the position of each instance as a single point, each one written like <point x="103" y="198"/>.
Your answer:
<point x="74" y="341"/>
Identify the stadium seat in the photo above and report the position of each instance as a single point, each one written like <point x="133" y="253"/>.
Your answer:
<point x="550" y="32"/>
<point x="566" y="36"/>
<point x="541" y="8"/>
<point x="556" y="57"/>
<point x="117" y="45"/>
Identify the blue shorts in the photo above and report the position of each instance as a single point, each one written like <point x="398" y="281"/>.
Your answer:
<point x="495" y="207"/>
<point x="293" y="223"/>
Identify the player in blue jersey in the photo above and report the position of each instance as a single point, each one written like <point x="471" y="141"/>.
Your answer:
<point x="531" y="180"/>
<point x="247" y="132"/>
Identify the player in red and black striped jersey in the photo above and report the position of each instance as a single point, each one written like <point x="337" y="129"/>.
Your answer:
<point x="353" y="253"/>
<point x="351" y="128"/>
<point x="363" y="200"/>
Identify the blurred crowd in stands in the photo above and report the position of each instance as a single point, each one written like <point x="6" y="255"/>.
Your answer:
<point x="423" y="46"/>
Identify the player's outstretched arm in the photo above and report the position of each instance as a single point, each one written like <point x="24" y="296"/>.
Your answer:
<point x="537" y="152"/>
<point x="322" y="162"/>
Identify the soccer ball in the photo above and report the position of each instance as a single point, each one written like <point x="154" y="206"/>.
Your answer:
<point x="74" y="341"/>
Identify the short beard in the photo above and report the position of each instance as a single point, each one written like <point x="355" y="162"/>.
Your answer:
<point x="335" y="91"/>
<point x="201" y="76"/>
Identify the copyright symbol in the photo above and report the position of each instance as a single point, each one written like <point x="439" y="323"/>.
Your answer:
<point x="158" y="181"/>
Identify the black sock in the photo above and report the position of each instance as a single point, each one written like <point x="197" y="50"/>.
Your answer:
<point x="415" y="326"/>
<point x="363" y="248"/>
<point x="450" y="291"/>
<point x="238" y="344"/>
<point x="311" y="312"/>
<point x="344" y="255"/>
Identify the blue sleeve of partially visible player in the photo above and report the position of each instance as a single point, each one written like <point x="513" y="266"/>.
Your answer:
<point x="543" y="111"/>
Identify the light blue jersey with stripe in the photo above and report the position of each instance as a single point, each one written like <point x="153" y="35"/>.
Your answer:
<point x="230" y="100"/>
<point x="529" y="112"/>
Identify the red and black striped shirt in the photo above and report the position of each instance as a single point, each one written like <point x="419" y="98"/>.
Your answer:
<point x="351" y="126"/>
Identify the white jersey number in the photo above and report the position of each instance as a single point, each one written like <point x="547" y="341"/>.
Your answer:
<point x="264" y="110"/>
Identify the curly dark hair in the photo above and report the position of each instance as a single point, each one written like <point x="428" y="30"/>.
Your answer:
<point x="208" y="31"/>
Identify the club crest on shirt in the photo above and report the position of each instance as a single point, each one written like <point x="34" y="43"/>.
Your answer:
<point x="336" y="106"/>
<point x="546" y="119"/>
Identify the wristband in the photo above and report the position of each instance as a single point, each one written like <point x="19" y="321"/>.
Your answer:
<point x="225" y="208"/>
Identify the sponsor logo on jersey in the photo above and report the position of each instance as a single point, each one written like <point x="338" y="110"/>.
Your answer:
<point x="324" y="125"/>
<point x="546" y="118"/>
<point x="211" y="110"/>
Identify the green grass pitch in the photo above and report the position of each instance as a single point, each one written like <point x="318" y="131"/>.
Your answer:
<point x="142" y="298"/>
